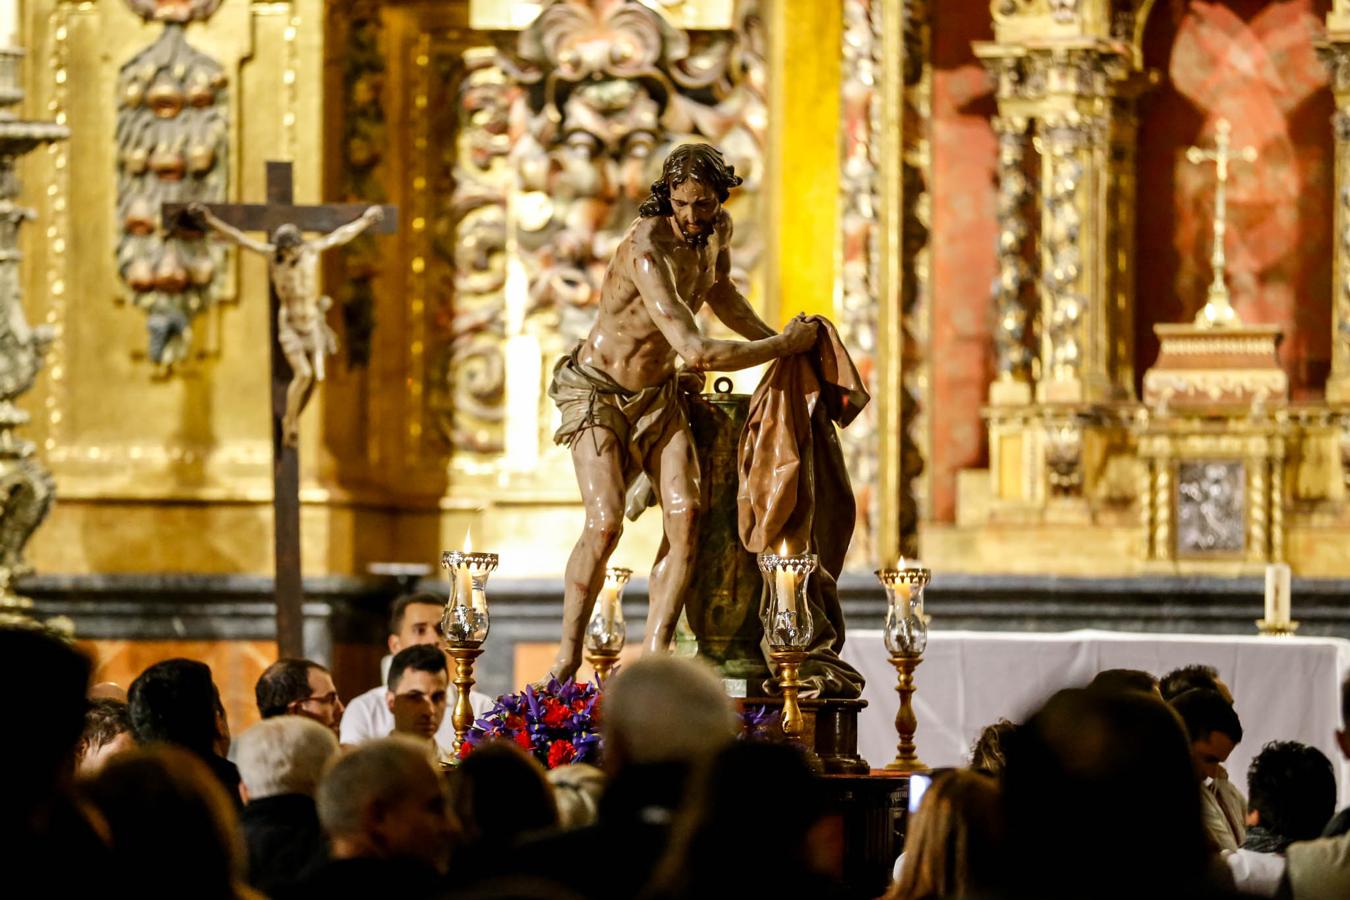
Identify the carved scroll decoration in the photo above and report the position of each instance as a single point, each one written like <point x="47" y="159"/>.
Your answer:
<point x="172" y="142"/>
<point x="611" y="88"/>
<point x="469" y="383"/>
<point x="363" y="142"/>
<point x="558" y="135"/>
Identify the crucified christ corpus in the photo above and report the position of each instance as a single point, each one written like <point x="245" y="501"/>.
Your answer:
<point x="622" y="395"/>
<point x="303" y="332"/>
<point x="300" y="342"/>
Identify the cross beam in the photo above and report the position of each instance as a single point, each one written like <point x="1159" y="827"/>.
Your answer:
<point x="280" y="209"/>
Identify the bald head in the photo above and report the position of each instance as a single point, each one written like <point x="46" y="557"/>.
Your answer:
<point x="664" y="709"/>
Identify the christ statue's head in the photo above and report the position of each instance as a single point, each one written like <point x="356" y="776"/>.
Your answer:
<point x="695" y="181"/>
<point x="287" y="239"/>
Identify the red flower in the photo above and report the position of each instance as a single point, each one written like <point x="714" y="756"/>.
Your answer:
<point x="578" y="705"/>
<point x="465" y="749"/>
<point x="514" y="722"/>
<point x="523" y="739"/>
<point x="561" y="753"/>
<point x="555" y="714"/>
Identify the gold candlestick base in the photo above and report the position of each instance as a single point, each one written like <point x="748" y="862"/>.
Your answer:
<point x="1276" y="629"/>
<point x="603" y="662"/>
<point x="462" y="718"/>
<point x="906" y="723"/>
<point x="788" y="664"/>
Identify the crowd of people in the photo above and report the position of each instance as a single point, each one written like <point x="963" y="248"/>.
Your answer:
<point x="1117" y="789"/>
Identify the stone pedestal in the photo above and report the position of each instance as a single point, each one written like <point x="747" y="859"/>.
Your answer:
<point x="830" y="732"/>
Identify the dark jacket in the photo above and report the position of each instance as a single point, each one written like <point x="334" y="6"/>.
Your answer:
<point x="284" y="840"/>
<point x="632" y="833"/>
<point x="366" y="879"/>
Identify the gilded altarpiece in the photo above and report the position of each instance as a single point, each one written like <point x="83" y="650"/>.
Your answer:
<point x="516" y="147"/>
<point x="164" y="470"/>
<point x="1201" y="477"/>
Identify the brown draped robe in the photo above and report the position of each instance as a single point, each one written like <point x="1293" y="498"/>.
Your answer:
<point x="794" y="487"/>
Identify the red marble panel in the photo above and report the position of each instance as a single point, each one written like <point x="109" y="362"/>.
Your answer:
<point x="235" y="667"/>
<point x="1253" y="63"/>
<point x="964" y="232"/>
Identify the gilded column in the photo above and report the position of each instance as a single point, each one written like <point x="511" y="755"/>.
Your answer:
<point x="1013" y="325"/>
<point x="1335" y="53"/>
<point x="1073" y="365"/>
<point x="1118" y="320"/>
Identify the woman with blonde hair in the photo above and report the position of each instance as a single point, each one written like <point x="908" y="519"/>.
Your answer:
<point x="954" y="841"/>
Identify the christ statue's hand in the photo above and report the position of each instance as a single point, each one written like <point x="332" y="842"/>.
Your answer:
<point x="799" y="335"/>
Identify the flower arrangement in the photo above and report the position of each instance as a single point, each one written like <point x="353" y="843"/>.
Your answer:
<point x="558" y="723"/>
<point x="760" y="723"/>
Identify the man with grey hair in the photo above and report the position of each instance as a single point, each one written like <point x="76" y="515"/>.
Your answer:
<point x="663" y="716"/>
<point x="383" y="807"/>
<point x="280" y="761"/>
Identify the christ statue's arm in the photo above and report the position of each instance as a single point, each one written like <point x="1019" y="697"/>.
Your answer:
<point x="349" y="232"/>
<point x="653" y="278"/>
<point x="726" y="301"/>
<point x="229" y="231"/>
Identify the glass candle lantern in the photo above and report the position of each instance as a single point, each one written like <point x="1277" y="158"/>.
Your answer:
<point x="906" y="628"/>
<point x="607" y="631"/>
<point x="466" y="614"/>
<point x="786" y="614"/>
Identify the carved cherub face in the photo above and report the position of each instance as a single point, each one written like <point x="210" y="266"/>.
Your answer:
<point x="694" y="207"/>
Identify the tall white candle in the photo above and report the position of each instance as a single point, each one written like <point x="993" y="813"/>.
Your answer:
<point x="609" y="599"/>
<point x="1278" y="594"/>
<point x="463" y="586"/>
<point x="785" y="585"/>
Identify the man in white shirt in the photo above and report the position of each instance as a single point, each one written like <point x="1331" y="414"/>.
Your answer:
<point x="414" y="619"/>
<point x="419" y="681"/>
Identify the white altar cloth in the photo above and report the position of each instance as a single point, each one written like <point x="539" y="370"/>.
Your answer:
<point x="1285" y="688"/>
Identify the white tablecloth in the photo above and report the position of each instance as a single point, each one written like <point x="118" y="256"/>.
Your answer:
<point x="1285" y="688"/>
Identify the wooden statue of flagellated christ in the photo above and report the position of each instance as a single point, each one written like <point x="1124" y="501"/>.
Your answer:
<point x="622" y="394"/>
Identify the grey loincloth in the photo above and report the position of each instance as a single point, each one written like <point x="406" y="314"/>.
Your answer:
<point x="589" y="398"/>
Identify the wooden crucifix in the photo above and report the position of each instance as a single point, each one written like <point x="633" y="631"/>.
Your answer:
<point x="301" y="339"/>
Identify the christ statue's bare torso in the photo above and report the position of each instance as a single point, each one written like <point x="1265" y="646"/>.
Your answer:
<point x="672" y="262"/>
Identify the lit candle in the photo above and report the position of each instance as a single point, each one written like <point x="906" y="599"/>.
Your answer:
<point x="464" y="581"/>
<point x="609" y="598"/>
<point x="1278" y="594"/>
<point x="785" y="584"/>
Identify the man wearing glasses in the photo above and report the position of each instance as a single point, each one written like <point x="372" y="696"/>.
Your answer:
<point x="299" y="687"/>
